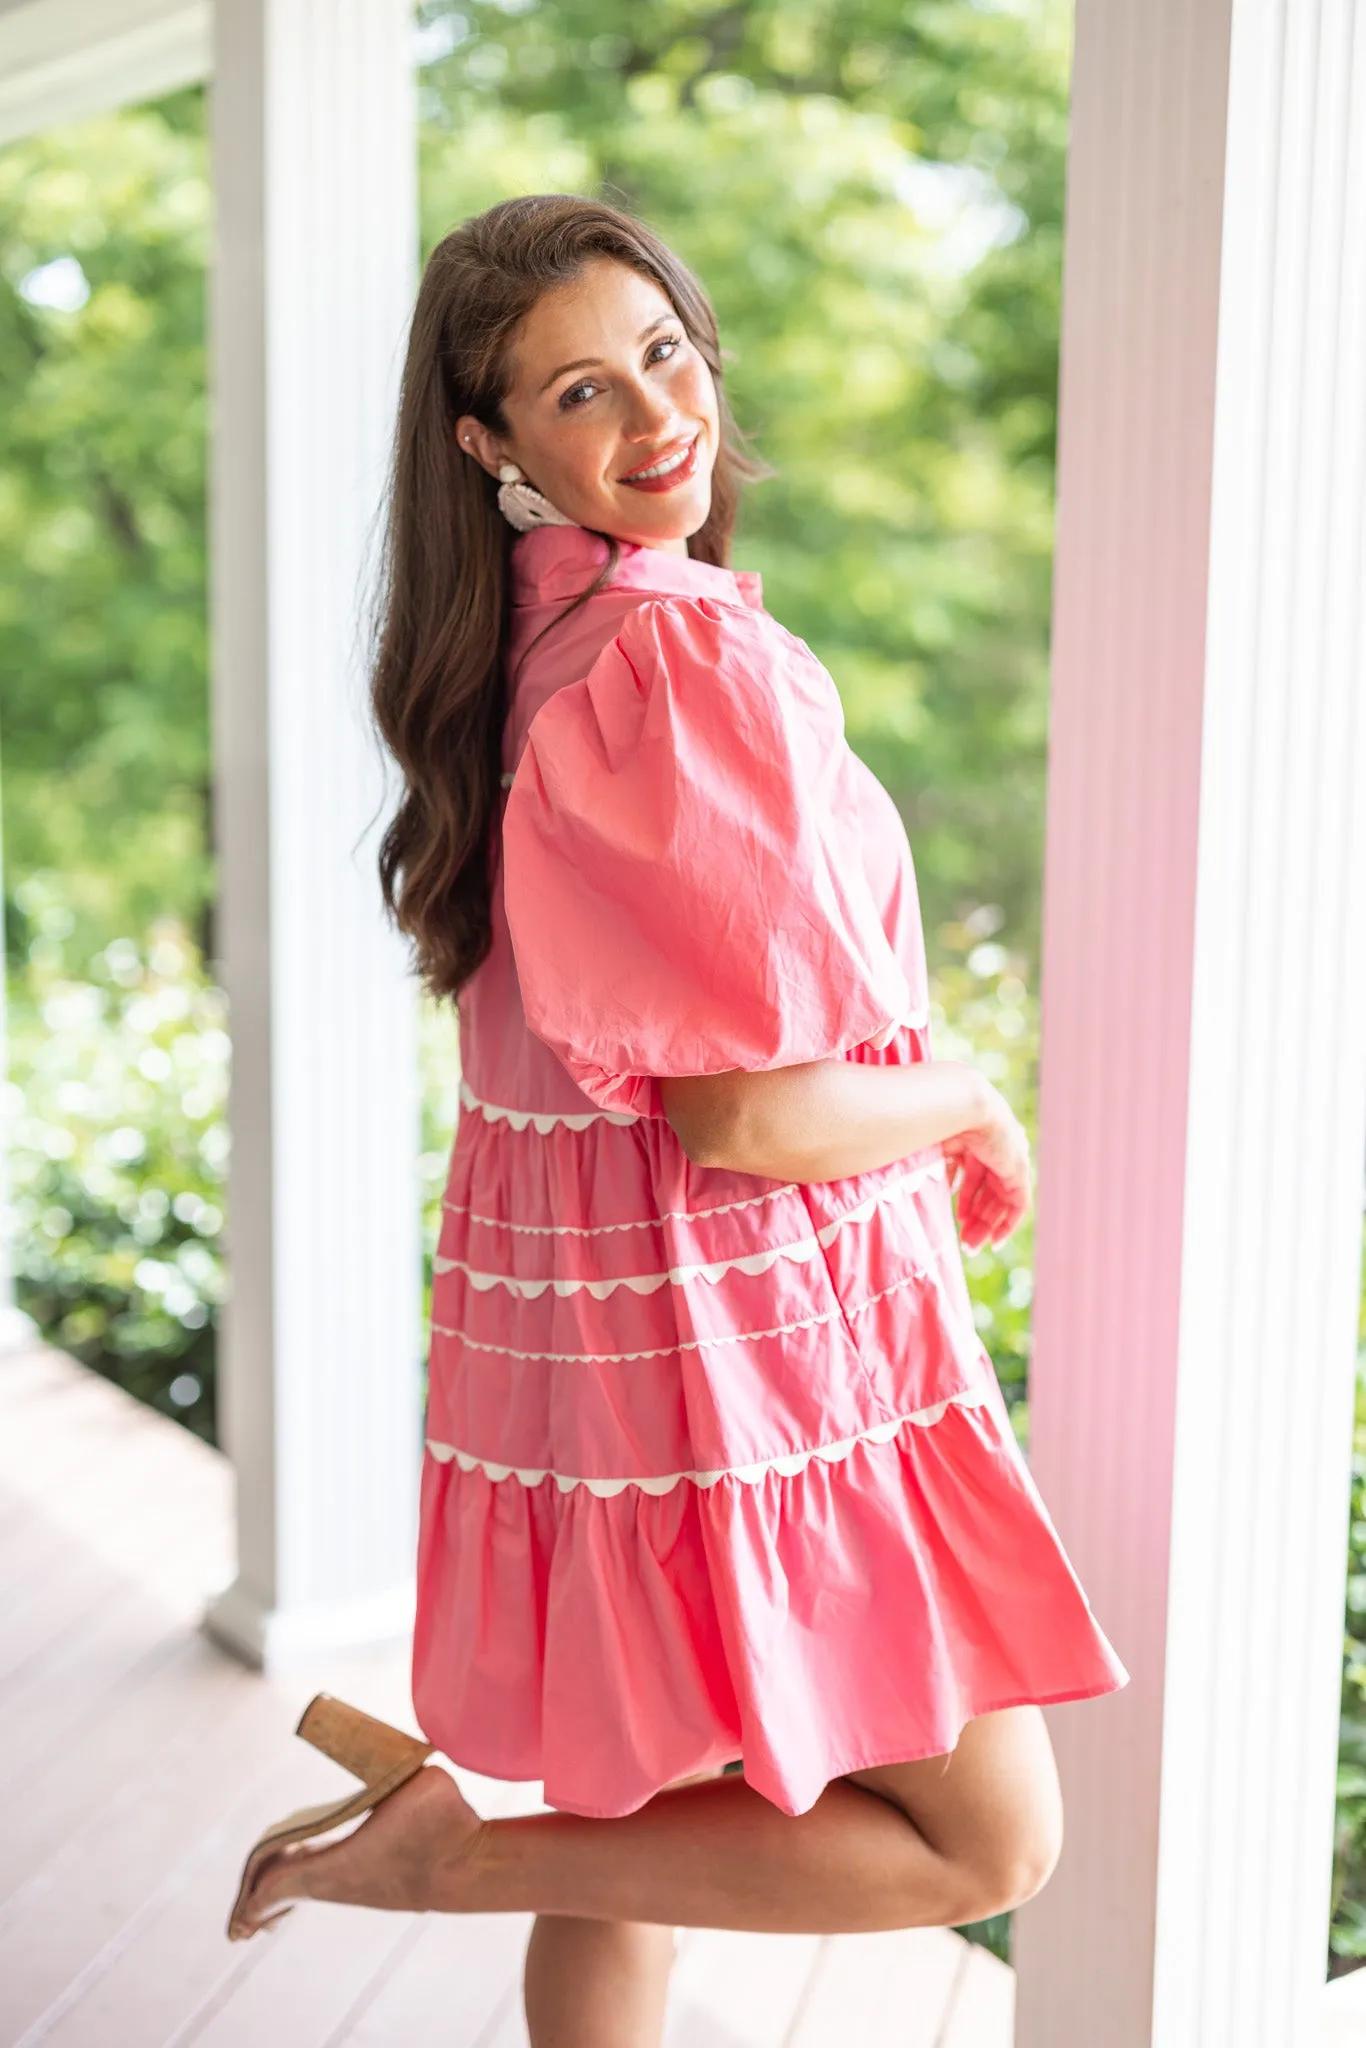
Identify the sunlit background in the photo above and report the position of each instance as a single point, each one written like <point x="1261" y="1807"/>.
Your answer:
<point x="873" y="197"/>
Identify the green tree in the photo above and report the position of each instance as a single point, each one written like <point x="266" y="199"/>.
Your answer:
<point x="873" y="196"/>
<point x="103" y="711"/>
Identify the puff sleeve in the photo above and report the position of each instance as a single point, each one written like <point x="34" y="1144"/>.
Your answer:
<point x="683" y="865"/>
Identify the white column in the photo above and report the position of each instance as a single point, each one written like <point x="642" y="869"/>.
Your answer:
<point x="1203" y="1091"/>
<point x="312" y="114"/>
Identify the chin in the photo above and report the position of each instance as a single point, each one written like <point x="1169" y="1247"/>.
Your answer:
<point x="662" y="521"/>
<point x="659" y="518"/>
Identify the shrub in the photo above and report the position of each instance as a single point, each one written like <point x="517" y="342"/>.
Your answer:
<point x="118" y="1150"/>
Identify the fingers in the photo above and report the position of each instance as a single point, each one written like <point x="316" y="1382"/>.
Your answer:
<point x="988" y="1210"/>
<point x="990" y="1203"/>
<point x="971" y="1197"/>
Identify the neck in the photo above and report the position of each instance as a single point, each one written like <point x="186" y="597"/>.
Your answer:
<point x="675" y="545"/>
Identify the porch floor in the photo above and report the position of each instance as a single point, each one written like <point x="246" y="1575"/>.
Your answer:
<point x="137" y="1762"/>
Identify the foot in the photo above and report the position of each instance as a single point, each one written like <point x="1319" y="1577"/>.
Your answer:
<point x="423" y="1836"/>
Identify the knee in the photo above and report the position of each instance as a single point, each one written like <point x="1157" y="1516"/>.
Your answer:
<point x="1009" y="1870"/>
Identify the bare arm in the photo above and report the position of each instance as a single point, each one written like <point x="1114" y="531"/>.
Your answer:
<point x="822" y="1121"/>
<point x="834" y="1118"/>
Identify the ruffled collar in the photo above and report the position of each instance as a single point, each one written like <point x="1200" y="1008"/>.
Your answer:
<point x="554" y="563"/>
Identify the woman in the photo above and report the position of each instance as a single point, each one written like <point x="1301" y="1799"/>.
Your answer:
<point x="717" y="1467"/>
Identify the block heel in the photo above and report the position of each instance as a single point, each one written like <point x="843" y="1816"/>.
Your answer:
<point x="382" y="1757"/>
<point x="371" y="1750"/>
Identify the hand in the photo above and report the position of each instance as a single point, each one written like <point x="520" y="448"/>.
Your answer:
<point x="989" y="1170"/>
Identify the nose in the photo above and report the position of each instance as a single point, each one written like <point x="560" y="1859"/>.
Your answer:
<point x="648" y="411"/>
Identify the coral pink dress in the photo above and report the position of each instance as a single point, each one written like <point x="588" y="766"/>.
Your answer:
<point x="716" y="1466"/>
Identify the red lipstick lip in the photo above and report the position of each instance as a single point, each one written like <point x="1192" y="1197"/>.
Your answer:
<point x="675" y="476"/>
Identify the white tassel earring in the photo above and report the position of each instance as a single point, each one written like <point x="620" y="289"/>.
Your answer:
<point x="522" y="505"/>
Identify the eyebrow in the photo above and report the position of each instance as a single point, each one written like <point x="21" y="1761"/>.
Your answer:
<point x="591" y="362"/>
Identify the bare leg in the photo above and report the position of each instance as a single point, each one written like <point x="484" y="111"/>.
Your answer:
<point x="596" y="1983"/>
<point x="934" y="1843"/>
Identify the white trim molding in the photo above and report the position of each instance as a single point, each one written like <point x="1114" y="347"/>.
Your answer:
<point x="1203" y="1083"/>
<point x="63" y="59"/>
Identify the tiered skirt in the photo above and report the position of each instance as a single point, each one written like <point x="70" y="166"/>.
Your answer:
<point x="717" y="1467"/>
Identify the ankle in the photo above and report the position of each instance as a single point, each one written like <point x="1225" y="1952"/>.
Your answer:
<point x="458" y="1876"/>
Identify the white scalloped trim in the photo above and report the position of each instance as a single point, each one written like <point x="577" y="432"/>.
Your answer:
<point x="801" y="1251"/>
<point x="913" y="1020"/>
<point x="542" y="1120"/>
<point x="788" y="1464"/>
<point x="786" y="1187"/>
<point x="832" y="1315"/>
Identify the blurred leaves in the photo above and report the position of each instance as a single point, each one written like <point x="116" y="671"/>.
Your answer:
<point x="872" y="196"/>
<point x="115" y="1124"/>
<point x="872" y="193"/>
<point x="1348" y="1926"/>
<point x="103" y="717"/>
<point x="984" y="1011"/>
<point x="118" y="1147"/>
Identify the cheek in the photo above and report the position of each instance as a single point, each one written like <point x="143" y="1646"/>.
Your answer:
<point x="581" y="450"/>
<point x="694" y="392"/>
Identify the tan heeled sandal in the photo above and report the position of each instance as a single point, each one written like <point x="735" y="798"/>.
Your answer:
<point x="382" y="1757"/>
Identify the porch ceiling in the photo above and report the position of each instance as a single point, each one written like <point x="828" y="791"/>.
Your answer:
<point x="60" y="59"/>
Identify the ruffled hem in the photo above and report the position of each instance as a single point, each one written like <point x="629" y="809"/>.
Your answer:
<point x="838" y="1767"/>
<point x="864" y="1608"/>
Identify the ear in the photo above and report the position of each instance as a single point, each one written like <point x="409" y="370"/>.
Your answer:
<point x="474" y="439"/>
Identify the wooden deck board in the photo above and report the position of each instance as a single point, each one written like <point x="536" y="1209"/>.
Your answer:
<point x="883" y="1990"/>
<point x="739" y="1990"/>
<point x="137" y="1762"/>
<point x="453" y="1984"/>
<point x="983" y="2014"/>
<point x="108" y="1870"/>
<point x="184" y="1683"/>
<point x="168" y="1960"/>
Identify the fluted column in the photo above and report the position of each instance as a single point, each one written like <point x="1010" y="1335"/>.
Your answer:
<point x="312" y="114"/>
<point x="1203" y="1087"/>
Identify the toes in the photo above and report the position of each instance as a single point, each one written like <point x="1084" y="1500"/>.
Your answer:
<point x="246" y="1916"/>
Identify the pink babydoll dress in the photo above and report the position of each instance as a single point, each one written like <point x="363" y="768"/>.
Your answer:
<point x="716" y="1465"/>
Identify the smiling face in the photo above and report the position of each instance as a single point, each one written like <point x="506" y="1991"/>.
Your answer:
<point x="611" y="411"/>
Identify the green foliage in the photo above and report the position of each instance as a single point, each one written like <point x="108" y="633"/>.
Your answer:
<point x="102" y="430"/>
<point x="872" y="195"/>
<point x="985" y="1012"/>
<point x="1347" y="1934"/>
<point x="118" y="1144"/>
<point x="117" y="1152"/>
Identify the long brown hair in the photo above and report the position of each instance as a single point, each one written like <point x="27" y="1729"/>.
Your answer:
<point x="438" y="688"/>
